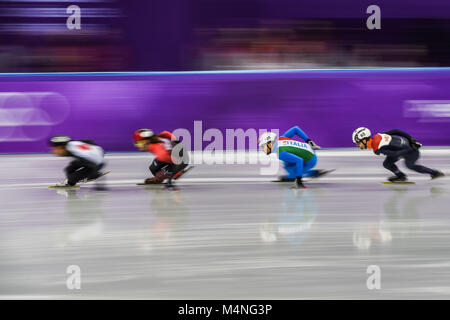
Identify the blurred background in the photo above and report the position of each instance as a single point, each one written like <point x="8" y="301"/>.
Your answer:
<point x="185" y="35"/>
<point x="175" y="35"/>
<point x="228" y="232"/>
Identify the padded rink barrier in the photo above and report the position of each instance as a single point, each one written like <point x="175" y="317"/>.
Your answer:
<point x="327" y="104"/>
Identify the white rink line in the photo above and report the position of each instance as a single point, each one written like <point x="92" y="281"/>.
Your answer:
<point x="219" y="180"/>
<point x="25" y="297"/>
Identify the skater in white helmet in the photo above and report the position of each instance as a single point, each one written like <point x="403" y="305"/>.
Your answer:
<point x="299" y="157"/>
<point x="395" y="145"/>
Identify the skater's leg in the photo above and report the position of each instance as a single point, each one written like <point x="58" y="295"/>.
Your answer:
<point x="70" y="171"/>
<point x="389" y="163"/>
<point x="156" y="166"/>
<point x="297" y="169"/>
<point x="289" y="157"/>
<point x="410" y="162"/>
<point x="73" y="166"/>
<point x="161" y="171"/>
<point x="179" y="170"/>
<point x="307" y="168"/>
<point x="96" y="173"/>
<point x="176" y="168"/>
<point x="78" y="170"/>
<point x="291" y="170"/>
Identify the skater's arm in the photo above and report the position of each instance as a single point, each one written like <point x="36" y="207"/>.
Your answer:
<point x="296" y="131"/>
<point x="414" y="143"/>
<point x="167" y="135"/>
<point x="397" y="132"/>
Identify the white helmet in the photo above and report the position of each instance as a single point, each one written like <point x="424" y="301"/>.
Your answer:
<point x="360" y="134"/>
<point x="267" y="137"/>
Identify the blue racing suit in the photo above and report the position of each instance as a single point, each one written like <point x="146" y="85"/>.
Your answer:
<point x="299" y="158"/>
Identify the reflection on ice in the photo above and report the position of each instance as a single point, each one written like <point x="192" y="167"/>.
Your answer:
<point x="214" y="238"/>
<point x="298" y="210"/>
<point x="400" y="219"/>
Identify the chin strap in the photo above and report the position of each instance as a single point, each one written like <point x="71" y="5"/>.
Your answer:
<point x="364" y="142"/>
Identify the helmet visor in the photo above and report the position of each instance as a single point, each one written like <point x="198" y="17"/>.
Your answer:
<point x="140" y="143"/>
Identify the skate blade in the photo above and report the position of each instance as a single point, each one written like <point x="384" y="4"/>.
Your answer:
<point x="399" y="182"/>
<point x="64" y="187"/>
<point x="104" y="174"/>
<point x="324" y="173"/>
<point x="329" y="171"/>
<point x="185" y="171"/>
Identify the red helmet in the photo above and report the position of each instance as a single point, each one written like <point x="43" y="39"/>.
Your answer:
<point x="142" y="134"/>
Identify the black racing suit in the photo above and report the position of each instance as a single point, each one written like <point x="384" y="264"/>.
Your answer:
<point x="398" y="148"/>
<point x="163" y="170"/>
<point x="82" y="167"/>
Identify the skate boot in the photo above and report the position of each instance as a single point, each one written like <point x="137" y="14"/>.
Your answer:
<point x="64" y="183"/>
<point x="437" y="174"/>
<point x="400" y="178"/>
<point x="170" y="185"/>
<point x="298" y="184"/>
<point x="152" y="180"/>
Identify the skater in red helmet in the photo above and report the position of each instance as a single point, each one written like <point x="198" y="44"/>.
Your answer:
<point x="167" y="163"/>
<point x="395" y="145"/>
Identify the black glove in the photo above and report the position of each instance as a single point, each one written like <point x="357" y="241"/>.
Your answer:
<point x="312" y="144"/>
<point x="415" y="144"/>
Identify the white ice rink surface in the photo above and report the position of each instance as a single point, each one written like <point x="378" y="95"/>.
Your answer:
<point x="227" y="233"/>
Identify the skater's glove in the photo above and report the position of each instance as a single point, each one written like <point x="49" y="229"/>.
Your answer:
<point x="415" y="144"/>
<point x="313" y="144"/>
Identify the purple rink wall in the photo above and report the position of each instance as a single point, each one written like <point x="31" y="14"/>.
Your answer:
<point x="327" y="104"/>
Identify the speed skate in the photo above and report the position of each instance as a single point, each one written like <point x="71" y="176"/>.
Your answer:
<point x="398" y="182"/>
<point x="66" y="186"/>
